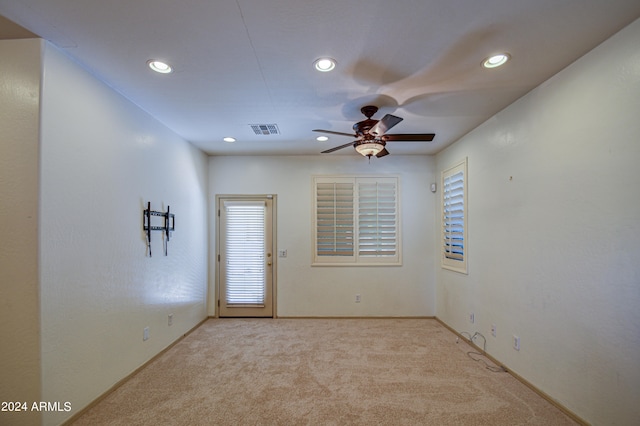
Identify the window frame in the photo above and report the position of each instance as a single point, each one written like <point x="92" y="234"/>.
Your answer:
<point x="356" y="259"/>
<point x="447" y="261"/>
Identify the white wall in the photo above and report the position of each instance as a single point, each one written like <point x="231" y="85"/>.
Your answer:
<point x="554" y="234"/>
<point x="302" y="290"/>
<point x="102" y="159"/>
<point x="19" y="301"/>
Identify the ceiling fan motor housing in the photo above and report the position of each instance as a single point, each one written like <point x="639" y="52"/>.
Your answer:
<point x="362" y="128"/>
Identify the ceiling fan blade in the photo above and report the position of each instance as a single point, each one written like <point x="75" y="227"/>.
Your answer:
<point x="409" y="137"/>
<point x="382" y="153"/>
<point x="382" y="126"/>
<point x="334" y="133"/>
<point x="337" y="148"/>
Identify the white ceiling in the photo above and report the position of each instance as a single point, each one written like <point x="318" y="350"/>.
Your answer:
<point x="241" y="62"/>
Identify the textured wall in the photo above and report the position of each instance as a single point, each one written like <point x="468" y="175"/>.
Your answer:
<point x="19" y="305"/>
<point x="102" y="160"/>
<point x="553" y="213"/>
<point x="302" y="290"/>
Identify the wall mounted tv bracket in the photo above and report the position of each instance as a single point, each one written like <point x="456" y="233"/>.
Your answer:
<point x="168" y="226"/>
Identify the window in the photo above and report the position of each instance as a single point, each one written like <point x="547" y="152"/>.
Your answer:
<point x="356" y="220"/>
<point x="454" y="220"/>
<point x="244" y="248"/>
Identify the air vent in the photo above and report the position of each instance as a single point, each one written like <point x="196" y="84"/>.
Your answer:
<point x="265" y="129"/>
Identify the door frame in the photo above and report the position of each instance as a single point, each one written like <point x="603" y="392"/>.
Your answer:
<point x="274" y="270"/>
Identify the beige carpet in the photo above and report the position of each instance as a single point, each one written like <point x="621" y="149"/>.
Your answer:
<point x="321" y="372"/>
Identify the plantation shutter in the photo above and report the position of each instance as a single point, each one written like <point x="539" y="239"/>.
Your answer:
<point x="377" y="218"/>
<point x="356" y="220"/>
<point x="245" y="253"/>
<point x="453" y="218"/>
<point x="334" y="220"/>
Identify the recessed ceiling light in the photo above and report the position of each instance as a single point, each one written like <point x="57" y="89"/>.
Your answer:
<point x="324" y="64"/>
<point x="322" y="138"/>
<point x="496" y="60"/>
<point x="159" y="66"/>
<point x="229" y="139"/>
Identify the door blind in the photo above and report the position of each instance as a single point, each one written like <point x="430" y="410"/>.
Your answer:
<point x="245" y="253"/>
<point x="377" y="214"/>
<point x="453" y="216"/>
<point x="334" y="222"/>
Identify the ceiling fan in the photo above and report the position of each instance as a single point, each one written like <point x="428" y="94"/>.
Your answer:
<point x="371" y="135"/>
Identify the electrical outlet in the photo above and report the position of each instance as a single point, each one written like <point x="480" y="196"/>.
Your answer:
<point x="516" y="343"/>
<point x="282" y="253"/>
<point x="357" y="298"/>
<point x="145" y="334"/>
<point x="493" y="330"/>
<point x="472" y="318"/>
<point x="170" y="320"/>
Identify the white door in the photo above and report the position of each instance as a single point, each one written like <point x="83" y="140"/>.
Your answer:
<point x="245" y="257"/>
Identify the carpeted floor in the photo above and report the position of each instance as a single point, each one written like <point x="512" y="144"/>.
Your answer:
<point x="321" y="372"/>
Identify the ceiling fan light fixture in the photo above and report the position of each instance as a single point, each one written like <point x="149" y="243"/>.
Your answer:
<point x="159" y="66"/>
<point x="229" y="139"/>
<point x="496" y="60"/>
<point x="324" y="64"/>
<point x="322" y="138"/>
<point x="369" y="149"/>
